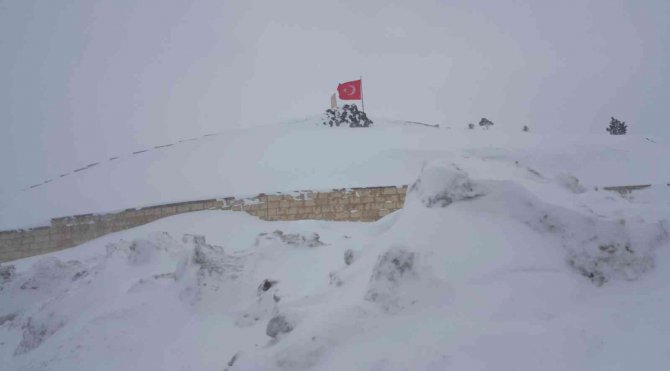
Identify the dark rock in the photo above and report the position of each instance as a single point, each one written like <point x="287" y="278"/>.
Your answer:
<point x="279" y="324"/>
<point x="347" y="115"/>
<point x="348" y="257"/>
<point x="266" y="285"/>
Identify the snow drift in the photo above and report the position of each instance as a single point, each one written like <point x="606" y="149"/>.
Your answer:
<point x="488" y="266"/>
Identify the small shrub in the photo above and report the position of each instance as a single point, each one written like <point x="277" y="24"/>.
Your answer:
<point x="617" y="127"/>
<point x="485" y="123"/>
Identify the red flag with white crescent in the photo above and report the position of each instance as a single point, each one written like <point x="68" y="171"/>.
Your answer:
<point x="350" y="90"/>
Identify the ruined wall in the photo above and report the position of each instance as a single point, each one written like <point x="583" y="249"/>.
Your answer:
<point x="355" y="204"/>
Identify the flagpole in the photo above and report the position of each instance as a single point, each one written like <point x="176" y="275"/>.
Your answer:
<point x="362" y="101"/>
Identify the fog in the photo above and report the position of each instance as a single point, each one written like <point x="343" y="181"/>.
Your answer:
<point x="83" y="80"/>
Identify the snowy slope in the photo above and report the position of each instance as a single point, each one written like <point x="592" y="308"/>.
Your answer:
<point x="504" y="257"/>
<point x="305" y="155"/>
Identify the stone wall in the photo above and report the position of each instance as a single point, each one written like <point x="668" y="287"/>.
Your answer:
<point x="626" y="190"/>
<point x="355" y="204"/>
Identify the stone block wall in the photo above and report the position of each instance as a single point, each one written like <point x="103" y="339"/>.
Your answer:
<point x="355" y="204"/>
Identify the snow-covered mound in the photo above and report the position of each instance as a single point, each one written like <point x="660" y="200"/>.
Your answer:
<point x="441" y="184"/>
<point x="475" y="272"/>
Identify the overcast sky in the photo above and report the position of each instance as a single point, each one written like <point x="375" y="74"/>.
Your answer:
<point x="82" y="80"/>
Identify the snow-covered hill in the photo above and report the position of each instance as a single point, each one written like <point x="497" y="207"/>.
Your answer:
<point x="504" y="257"/>
<point x="306" y="155"/>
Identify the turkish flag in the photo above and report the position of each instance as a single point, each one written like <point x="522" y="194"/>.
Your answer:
<point x="350" y="90"/>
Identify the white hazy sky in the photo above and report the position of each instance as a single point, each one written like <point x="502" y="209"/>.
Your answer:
<point x="84" y="80"/>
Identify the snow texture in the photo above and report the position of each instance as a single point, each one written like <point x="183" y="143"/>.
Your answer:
<point x="487" y="266"/>
<point x="441" y="184"/>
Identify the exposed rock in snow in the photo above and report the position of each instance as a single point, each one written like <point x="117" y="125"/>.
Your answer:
<point x="278" y="325"/>
<point x="295" y="239"/>
<point x="597" y="247"/>
<point x="264" y="306"/>
<point x="50" y="272"/>
<point x="7" y="318"/>
<point x="395" y="268"/>
<point x="143" y="251"/>
<point x="36" y="332"/>
<point x="347" y="115"/>
<point x="7" y="272"/>
<point x="441" y="183"/>
<point x="207" y="268"/>
<point x="348" y="256"/>
<point x="266" y="285"/>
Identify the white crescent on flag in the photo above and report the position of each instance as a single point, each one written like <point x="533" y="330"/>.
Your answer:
<point x="350" y="90"/>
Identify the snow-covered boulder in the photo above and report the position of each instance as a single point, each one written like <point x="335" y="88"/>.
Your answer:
<point x="441" y="183"/>
<point x="570" y="182"/>
<point x="598" y="247"/>
<point x="289" y="239"/>
<point x="50" y="272"/>
<point x="36" y="331"/>
<point x="7" y="272"/>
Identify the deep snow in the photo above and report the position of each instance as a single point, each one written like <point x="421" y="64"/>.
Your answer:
<point x="307" y="155"/>
<point x="504" y="257"/>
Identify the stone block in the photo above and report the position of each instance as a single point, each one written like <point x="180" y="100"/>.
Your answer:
<point x="368" y="199"/>
<point x="168" y="210"/>
<point x="211" y="204"/>
<point x="11" y="255"/>
<point x="335" y="195"/>
<point x="252" y="207"/>
<point x="41" y="238"/>
<point x="274" y="198"/>
<point x="394" y="198"/>
<point x="42" y="245"/>
<point x="297" y="203"/>
<point x="342" y="216"/>
<point x="39" y="232"/>
<point x="329" y="216"/>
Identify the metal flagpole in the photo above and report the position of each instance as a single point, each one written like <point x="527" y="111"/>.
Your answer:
<point x="362" y="101"/>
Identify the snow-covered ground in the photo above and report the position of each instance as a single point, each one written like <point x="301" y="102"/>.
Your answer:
<point x="305" y="155"/>
<point x="504" y="257"/>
